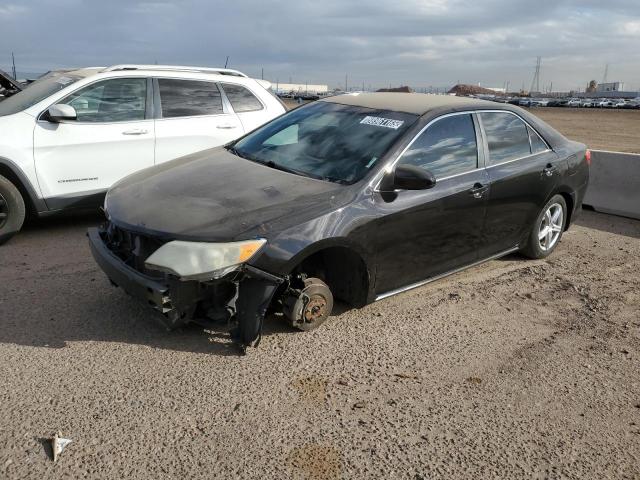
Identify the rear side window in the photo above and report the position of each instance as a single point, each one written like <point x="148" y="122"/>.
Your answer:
<point x="507" y="136"/>
<point x="446" y="148"/>
<point x="189" y="98"/>
<point x="242" y="100"/>
<point x="537" y="144"/>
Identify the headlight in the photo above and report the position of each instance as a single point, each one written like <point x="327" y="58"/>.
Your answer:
<point x="201" y="260"/>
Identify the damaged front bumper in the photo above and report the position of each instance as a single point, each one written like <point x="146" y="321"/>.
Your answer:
<point x="243" y="296"/>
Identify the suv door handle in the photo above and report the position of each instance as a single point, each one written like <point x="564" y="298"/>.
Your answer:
<point x="135" y="131"/>
<point x="549" y="170"/>
<point x="226" y="126"/>
<point x="478" y="190"/>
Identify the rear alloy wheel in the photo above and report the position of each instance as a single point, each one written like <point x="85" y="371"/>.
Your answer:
<point x="12" y="210"/>
<point x="547" y="230"/>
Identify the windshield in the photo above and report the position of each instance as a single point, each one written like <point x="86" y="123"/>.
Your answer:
<point x="329" y="141"/>
<point x="38" y="90"/>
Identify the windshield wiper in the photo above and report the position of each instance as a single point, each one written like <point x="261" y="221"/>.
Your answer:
<point x="277" y="166"/>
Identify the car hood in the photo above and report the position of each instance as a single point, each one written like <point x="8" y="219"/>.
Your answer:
<point x="216" y="196"/>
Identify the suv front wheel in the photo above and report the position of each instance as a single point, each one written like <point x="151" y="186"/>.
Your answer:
<point x="12" y="210"/>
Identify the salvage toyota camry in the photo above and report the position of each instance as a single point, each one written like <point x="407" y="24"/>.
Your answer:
<point x="355" y="197"/>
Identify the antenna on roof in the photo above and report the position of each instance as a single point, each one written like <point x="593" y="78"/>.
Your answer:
<point x="226" y="62"/>
<point x="13" y="61"/>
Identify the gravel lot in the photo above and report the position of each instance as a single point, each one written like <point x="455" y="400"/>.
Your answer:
<point x="599" y="128"/>
<point x="514" y="369"/>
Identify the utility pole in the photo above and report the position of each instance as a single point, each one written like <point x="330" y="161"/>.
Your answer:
<point x="536" y="76"/>
<point x="13" y="61"/>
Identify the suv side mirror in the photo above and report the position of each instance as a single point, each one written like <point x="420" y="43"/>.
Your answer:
<point x="60" y="112"/>
<point x="407" y="177"/>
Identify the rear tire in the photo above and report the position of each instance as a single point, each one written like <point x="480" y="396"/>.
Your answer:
<point x="12" y="210"/>
<point x="547" y="229"/>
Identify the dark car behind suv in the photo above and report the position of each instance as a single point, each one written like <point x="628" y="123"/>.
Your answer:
<point x="356" y="197"/>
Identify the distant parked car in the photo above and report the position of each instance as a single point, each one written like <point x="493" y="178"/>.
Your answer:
<point x="66" y="138"/>
<point x="9" y="86"/>
<point x="574" y="102"/>
<point x="354" y="197"/>
<point x="605" y="103"/>
<point x="587" y="103"/>
<point x="632" y="104"/>
<point x="620" y="104"/>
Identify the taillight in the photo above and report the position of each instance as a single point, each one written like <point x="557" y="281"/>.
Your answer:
<point x="587" y="157"/>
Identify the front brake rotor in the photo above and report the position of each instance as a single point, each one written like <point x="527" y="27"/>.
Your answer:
<point x="312" y="306"/>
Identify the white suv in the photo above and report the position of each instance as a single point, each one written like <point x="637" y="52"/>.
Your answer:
<point x="66" y="138"/>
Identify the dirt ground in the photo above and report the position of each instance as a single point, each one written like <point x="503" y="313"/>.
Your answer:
<point x="513" y="369"/>
<point x="598" y="128"/>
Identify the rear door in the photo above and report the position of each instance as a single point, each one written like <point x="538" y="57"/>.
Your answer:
<point x="191" y="116"/>
<point x="246" y="104"/>
<point x="111" y="138"/>
<point x="425" y="233"/>
<point x="523" y="172"/>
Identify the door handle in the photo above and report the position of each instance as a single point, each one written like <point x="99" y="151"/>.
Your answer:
<point x="135" y="131"/>
<point x="549" y="170"/>
<point x="226" y="126"/>
<point x="478" y="190"/>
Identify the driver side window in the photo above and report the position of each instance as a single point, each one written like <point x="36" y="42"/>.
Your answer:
<point x="114" y="100"/>
<point x="448" y="147"/>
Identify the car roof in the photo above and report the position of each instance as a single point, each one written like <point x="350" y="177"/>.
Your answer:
<point x="414" y="103"/>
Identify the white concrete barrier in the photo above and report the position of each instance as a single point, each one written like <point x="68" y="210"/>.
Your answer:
<point x="614" y="183"/>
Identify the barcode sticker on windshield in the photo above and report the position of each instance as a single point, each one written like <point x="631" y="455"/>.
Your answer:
<point x="382" y="122"/>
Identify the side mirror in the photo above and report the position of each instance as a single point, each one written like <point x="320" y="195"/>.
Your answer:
<point x="407" y="177"/>
<point x="60" y="112"/>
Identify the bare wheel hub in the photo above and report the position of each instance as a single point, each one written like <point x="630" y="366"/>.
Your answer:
<point x="309" y="307"/>
<point x="316" y="309"/>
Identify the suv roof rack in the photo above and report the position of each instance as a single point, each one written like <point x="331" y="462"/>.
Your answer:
<point x="176" y="68"/>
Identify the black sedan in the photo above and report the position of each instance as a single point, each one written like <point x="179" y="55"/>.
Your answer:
<point x="355" y="197"/>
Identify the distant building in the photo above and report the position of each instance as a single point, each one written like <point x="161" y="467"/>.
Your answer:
<point x="462" y="89"/>
<point x="299" y="89"/>
<point x="610" y="87"/>
<point x="403" y="89"/>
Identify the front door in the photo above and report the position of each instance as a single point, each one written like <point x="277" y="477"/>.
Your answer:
<point x="78" y="160"/>
<point x="422" y="234"/>
<point x="192" y="118"/>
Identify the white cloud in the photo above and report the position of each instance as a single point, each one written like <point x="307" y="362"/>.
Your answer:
<point x="420" y="42"/>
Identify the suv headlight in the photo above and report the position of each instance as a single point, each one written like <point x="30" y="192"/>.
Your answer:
<point x="202" y="260"/>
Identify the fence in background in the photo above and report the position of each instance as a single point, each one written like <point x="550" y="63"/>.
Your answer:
<point x="614" y="183"/>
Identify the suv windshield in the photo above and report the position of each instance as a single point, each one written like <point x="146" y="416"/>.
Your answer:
<point x="38" y="90"/>
<point x="329" y="141"/>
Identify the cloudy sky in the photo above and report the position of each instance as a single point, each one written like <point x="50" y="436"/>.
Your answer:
<point x="417" y="42"/>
